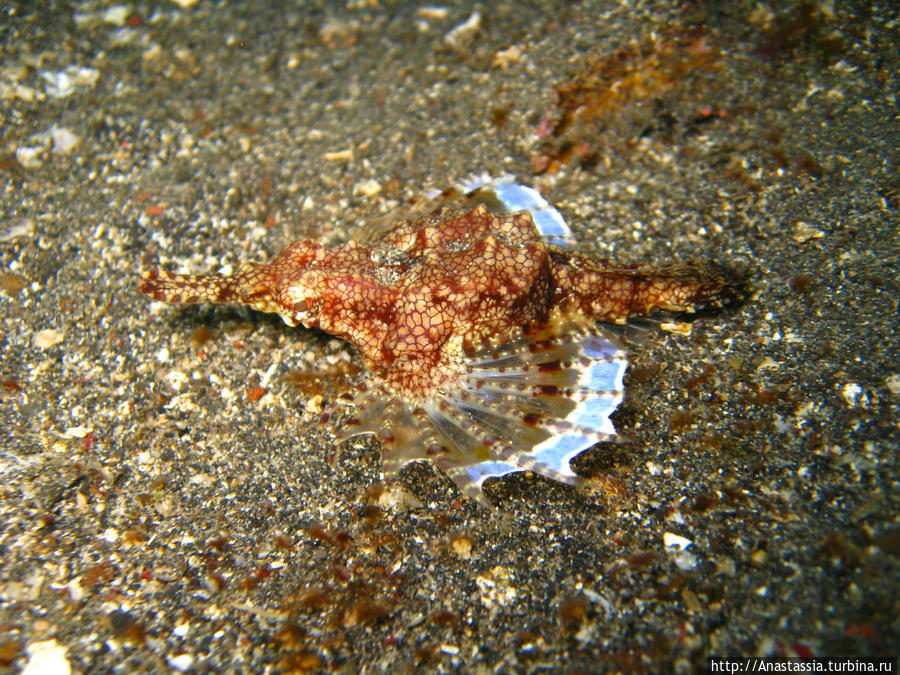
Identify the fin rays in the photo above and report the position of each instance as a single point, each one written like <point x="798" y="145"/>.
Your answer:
<point x="501" y="195"/>
<point x="531" y="404"/>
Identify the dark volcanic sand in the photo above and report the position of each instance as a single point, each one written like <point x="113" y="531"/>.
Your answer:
<point x="167" y="500"/>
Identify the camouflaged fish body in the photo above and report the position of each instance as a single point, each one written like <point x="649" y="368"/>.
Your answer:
<point x="477" y="322"/>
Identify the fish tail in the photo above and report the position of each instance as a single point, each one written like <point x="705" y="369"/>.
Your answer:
<point x="607" y="292"/>
<point x="694" y="287"/>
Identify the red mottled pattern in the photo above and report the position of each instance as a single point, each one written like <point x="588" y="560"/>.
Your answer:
<point x="479" y="335"/>
<point x="429" y="290"/>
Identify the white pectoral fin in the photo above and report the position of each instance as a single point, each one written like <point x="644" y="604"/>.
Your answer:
<point x="530" y="405"/>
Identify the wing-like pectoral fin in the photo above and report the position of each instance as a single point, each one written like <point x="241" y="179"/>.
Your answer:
<point x="537" y="402"/>
<point x="532" y="404"/>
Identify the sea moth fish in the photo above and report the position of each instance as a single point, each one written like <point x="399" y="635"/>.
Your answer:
<point x="480" y="325"/>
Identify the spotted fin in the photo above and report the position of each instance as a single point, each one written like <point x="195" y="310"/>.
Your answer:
<point x="500" y="194"/>
<point x="532" y="404"/>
